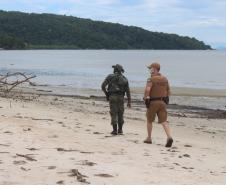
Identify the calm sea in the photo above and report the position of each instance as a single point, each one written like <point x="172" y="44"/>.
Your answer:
<point x="88" y="68"/>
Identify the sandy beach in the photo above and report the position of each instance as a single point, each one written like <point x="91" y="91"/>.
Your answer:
<point x="53" y="139"/>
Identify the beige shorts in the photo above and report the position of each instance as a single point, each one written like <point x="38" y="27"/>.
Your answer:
<point x="159" y="108"/>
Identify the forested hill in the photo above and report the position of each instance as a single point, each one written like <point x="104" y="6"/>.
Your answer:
<point x="29" y="30"/>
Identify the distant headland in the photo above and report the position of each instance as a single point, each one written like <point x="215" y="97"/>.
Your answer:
<point x="20" y="30"/>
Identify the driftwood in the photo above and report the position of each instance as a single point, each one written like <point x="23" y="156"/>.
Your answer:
<point x="11" y="80"/>
<point x="26" y="157"/>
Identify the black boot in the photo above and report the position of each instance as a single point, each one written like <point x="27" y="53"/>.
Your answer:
<point x="120" y="131"/>
<point x="114" y="132"/>
<point x="169" y="142"/>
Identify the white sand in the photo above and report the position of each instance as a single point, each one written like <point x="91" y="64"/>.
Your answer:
<point x="46" y="124"/>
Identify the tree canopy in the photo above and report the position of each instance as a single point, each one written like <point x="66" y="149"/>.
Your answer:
<point x="30" y="30"/>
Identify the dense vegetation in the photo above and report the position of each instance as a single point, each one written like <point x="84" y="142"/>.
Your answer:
<point x="8" y="42"/>
<point x="61" y="32"/>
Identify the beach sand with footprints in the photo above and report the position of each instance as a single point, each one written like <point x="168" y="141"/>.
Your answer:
<point x="50" y="139"/>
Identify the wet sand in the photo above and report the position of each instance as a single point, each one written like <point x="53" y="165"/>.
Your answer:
<point x="47" y="138"/>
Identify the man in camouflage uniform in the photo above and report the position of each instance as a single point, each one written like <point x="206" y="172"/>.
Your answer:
<point x="115" y="86"/>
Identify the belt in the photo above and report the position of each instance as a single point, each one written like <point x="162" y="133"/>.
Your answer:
<point x="116" y="93"/>
<point x="157" y="99"/>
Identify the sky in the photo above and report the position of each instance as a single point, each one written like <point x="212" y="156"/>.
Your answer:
<point x="202" y="19"/>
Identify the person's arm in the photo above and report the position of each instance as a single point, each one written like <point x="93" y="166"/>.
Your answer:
<point x="168" y="90"/>
<point x="147" y="94"/>
<point x="147" y="90"/>
<point x="103" y="87"/>
<point x="128" y="95"/>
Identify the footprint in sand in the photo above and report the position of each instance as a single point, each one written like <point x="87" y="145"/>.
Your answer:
<point x="133" y="141"/>
<point x="146" y="154"/>
<point x="53" y="136"/>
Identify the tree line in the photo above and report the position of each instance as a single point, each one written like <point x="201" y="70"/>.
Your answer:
<point x="20" y="30"/>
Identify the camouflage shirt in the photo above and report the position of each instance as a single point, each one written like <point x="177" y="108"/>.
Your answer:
<point x="116" y="84"/>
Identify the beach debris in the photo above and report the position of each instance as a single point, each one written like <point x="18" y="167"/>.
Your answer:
<point x="11" y="80"/>
<point x="26" y="157"/>
<point x="210" y="132"/>
<point x="60" y="182"/>
<point x="187" y="155"/>
<point x="65" y="150"/>
<point x="24" y="169"/>
<point x="187" y="146"/>
<point x="19" y="162"/>
<point x="51" y="167"/>
<point x="172" y="150"/>
<point x="40" y="119"/>
<point x="187" y="168"/>
<point x="4" y="145"/>
<point x="80" y="177"/>
<point x="4" y="152"/>
<point x="26" y="129"/>
<point x="8" y="132"/>
<point x="32" y="149"/>
<point x="97" y="133"/>
<point x="104" y="175"/>
<point x="177" y="164"/>
<point x="84" y="152"/>
<point x="87" y="163"/>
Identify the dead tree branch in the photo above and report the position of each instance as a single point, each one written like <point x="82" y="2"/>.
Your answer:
<point x="11" y="80"/>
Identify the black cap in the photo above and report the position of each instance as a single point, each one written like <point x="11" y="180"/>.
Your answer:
<point x="118" y="67"/>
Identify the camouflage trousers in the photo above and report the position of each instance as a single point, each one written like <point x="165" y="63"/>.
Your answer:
<point x="116" y="109"/>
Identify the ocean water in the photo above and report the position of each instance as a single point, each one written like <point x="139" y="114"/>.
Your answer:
<point x="88" y="68"/>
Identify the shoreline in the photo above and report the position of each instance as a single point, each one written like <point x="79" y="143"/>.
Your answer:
<point x="212" y="107"/>
<point x="135" y="91"/>
<point x="200" y="98"/>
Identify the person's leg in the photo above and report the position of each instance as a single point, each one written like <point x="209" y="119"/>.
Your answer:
<point x="150" y="119"/>
<point x="167" y="129"/>
<point x="149" y="129"/>
<point x="114" y="114"/>
<point x="121" y="115"/>
<point x="162" y="115"/>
